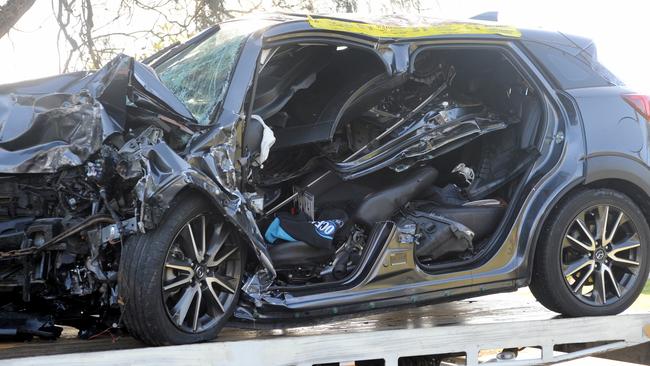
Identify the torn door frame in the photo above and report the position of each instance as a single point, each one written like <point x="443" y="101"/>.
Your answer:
<point x="213" y="160"/>
<point x="231" y="125"/>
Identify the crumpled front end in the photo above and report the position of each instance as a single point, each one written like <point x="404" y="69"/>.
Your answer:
<point x="45" y="131"/>
<point x="86" y="160"/>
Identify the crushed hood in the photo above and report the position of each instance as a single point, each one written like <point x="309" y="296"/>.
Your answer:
<point x="58" y="122"/>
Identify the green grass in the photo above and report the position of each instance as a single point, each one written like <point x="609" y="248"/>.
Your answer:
<point x="646" y="289"/>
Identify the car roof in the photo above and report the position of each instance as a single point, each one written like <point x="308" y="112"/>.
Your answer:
<point x="396" y="27"/>
<point x="386" y="27"/>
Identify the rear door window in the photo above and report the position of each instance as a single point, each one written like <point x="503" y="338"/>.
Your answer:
<point x="568" y="70"/>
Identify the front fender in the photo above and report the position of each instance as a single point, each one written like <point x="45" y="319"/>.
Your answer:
<point x="167" y="175"/>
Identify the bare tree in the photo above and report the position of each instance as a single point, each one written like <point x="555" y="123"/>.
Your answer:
<point x="84" y="43"/>
<point x="346" y="6"/>
<point x="88" y="37"/>
<point x="11" y="12"/>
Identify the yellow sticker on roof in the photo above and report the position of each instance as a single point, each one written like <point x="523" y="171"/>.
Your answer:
<point x="397" y="31"/>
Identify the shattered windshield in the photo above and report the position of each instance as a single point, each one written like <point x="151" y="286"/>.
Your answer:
<point x="199" y="75"/>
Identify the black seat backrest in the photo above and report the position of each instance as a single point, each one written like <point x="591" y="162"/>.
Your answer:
<point x="381" y="205"/>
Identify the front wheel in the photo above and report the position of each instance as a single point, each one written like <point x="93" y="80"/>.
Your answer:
<point x="180" y="282"/>
<point x="592" y="258"/>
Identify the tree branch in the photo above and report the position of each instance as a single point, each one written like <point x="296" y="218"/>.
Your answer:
<point x="11" y="12"/>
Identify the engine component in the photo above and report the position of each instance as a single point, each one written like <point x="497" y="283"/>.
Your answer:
<point x="79" y="282"/>
<point x="12" y="232"/>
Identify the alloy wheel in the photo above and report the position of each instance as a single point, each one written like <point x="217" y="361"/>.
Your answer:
<point x="201" y="274"/>
<point x="600" y="255"/>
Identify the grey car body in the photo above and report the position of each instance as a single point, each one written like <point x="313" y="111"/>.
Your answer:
<point x="591" y="137"/>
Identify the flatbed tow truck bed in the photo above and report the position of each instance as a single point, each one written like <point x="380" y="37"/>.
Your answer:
<point x="474" y="328"/>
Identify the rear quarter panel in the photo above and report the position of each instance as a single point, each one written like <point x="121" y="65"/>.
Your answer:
<point x="616" y="136"/>
<point x="612" y="126"/>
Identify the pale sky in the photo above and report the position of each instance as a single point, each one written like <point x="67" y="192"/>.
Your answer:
<point x="619" y="28"/>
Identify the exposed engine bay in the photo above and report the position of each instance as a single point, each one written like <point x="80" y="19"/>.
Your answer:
<point x="436" y="150"/>
<point x="74" y="179"/>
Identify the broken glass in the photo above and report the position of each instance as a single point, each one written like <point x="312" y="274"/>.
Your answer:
<point x="199" y="75"/>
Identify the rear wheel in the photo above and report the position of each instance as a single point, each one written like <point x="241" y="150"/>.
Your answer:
<point x="180" y="283"/>
<point x="593" y="256"/>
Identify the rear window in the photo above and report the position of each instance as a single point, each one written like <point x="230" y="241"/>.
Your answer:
<point x="571" y="71"/>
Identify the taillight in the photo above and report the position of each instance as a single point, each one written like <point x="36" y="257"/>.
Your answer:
<point x="640" y="103"/>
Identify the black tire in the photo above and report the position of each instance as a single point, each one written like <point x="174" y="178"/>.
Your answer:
<point x="144" y="268"/>
<point x="576" y="295"/>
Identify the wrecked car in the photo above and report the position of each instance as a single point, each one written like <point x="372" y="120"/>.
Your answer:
<point x="295" y="167"/>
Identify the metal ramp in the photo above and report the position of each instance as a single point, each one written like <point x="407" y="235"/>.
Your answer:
<point x="468" y="327"/>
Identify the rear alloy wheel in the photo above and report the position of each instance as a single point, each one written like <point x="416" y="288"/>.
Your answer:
<point x="592" y="259"/>
<point x="600" y="255"/>
<point x="180" y="283"/>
